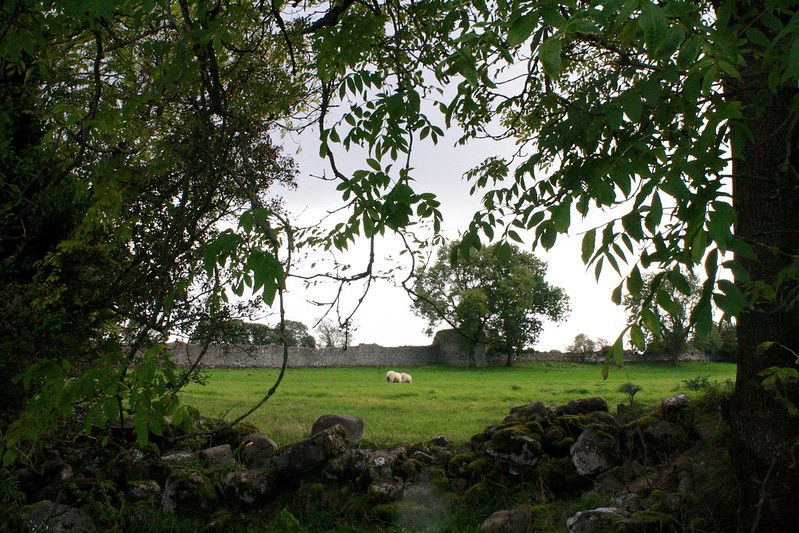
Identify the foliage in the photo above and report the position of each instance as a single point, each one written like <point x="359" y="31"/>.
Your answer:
<point x="334" y="335"/>
<point x="722" y="341"/>
<point x="630" y="390"/>
<point x="128" y="134"/>
<point x="497" y="295"/>
<point x="583" y="344"/>
<point x="238" y="331"/>
<point x="667" y="307"/>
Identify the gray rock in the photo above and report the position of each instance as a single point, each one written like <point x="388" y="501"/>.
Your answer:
<point x="673" y="404"/>
<point x="585" y="406"/>
<point x="55" y="517"/>
<point x="515" y="448"/>
<point x="142" y="490"/>
<point x="593" y="520"/>
<point x="257" y="449"/>
<point x="527" y="412"/>
<point x="310" y="453"/>
<point x="249" y="487"/>
<point x="508" y="521"/>
<point x="179" y="458"/>
<point x="353" y="425"/>
<point x="596" y="450"/>
<point x="386" y="490"/>
<point x="188" y="493"/>
<point x="217" y="455"/>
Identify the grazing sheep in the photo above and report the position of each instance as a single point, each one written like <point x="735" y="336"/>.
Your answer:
<point x="406" y="378"/>
<point x="393" y="377"/>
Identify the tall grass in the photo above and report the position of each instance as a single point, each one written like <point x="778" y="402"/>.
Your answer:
<point x="455" y="402"/>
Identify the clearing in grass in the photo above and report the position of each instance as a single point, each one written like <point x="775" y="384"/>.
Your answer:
<point x="455" y="402"/>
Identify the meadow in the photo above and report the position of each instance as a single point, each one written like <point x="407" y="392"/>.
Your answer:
<point x="455" y="402"/>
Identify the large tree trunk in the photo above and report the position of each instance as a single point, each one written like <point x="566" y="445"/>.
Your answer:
<point x="766" y="196"/>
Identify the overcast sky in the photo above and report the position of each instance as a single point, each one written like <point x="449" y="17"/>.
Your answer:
<point x="385" y="316"/>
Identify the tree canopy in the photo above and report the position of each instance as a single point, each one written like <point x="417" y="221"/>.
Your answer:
<point x="670" y="314"/>
<point x="492" y="297"/>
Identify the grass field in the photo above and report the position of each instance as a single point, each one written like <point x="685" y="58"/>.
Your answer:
<point x="456" y="402"/>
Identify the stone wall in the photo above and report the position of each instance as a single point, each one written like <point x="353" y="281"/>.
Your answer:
<point x="447" y="349"/>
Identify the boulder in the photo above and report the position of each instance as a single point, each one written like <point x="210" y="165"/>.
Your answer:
<point x="596" y="450"/>
<point x="256" y="450"/>
<point x="516" y="447"/>
<point x="217" y="455"/>
<point x="311" y="453"/>
<point x="188" y="493"/>
<point x="673" y="404"/>
<point x="585" y="406"/>
<point x="55" y="517"/>
<point x="249" y="487"/>
<point x="353" y="425"/>
<point x="142" y="490"/>
<point x="508" y="521"/>
<point x="599" y="519"/>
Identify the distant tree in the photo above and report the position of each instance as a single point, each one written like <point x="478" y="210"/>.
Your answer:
<point x="237" y="331"/>
<point x="497" y="295"/>
<point x="297" y="334"/>
<point x="332" y="334"/>
<point x="665" y="302"/>
<point x="582" y="344"/>
<point x="722" y="340"/>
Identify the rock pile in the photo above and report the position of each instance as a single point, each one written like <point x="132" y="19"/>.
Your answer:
<point x="643" y="465"/>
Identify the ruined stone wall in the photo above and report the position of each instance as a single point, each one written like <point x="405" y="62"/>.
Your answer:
<point x="447" y="349"/>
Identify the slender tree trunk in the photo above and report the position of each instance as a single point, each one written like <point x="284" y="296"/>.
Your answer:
<point x="766" y="196"/>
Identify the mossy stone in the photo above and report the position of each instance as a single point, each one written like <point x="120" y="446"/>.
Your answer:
<point x="457" y="465"/>
<point x="477" y="495"/>
<point x="314" y="498"/>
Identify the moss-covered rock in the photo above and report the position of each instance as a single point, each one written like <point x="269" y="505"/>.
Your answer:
<point x="573" y="425"/>
<point x="313" y="500"/>
<point x="457" y="465"/>
<point x="559" y="476"/>
<point x="189" y="493"/>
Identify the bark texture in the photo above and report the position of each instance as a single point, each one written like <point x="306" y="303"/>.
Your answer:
<point x="766" y="197"/>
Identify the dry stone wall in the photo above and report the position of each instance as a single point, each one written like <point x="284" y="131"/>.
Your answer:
<point x="447" y="349"/>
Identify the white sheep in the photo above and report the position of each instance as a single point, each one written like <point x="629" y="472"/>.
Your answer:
<point x="393" y="377"/>
<point x="406" y="378"/>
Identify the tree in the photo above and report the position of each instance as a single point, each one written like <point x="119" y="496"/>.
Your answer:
<point x="128" y="137"/>
<point x="721" y="341"/>
<point x="583" y="344"/>
<point x="638" y="107"/>
<point x="669" y="313"/>
<point x="333" y="335"/>
<point x="238" y="331"/>
<point x="497" y="295"/>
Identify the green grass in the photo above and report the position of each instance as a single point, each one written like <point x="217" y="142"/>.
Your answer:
<point x="456" y="402"/>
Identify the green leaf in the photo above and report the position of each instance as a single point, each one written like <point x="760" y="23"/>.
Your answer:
<point x="635" y="282"/>
<point x="615" y="297"/>
<point x="589" y="244"/>
<point x="792" y="70"/>
<point x="522" y="28"/>
<point x="637" y="337"/>
<point x="549" y="54"/>
<point x="763" y="347"/>
<point x="654" y="24"/>
<point x="375" y="164"/>
<point x="632" y="105"/>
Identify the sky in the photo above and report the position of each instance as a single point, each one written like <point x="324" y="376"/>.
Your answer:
<point x="385" y="316"/>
